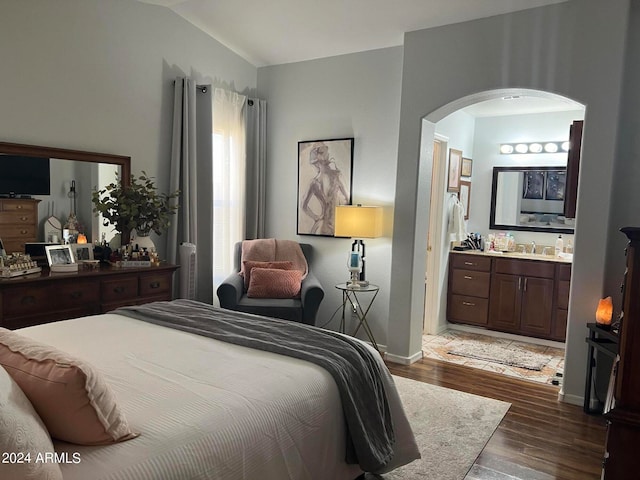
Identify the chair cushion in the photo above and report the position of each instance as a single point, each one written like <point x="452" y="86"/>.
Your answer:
<point x="274" y="283"/>
<point x="249" y="265"/>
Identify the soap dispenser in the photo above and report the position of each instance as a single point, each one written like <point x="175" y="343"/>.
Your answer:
<point x="559" y="245"/>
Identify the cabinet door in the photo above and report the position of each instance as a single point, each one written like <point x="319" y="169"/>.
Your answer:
<point x="536" y="309"/>
<point x="504" y="304"/>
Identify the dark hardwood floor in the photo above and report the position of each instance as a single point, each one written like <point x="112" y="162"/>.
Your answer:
<point x="538" y="433"/>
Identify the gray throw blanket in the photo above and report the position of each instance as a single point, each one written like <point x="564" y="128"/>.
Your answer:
<point x="370" y="436"/>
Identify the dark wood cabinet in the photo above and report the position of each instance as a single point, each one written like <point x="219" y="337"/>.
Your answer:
<point x="521" y="298"/>
<point x="469" y="283"/>
<point x="524" y="297"/>
<point x="573" y="169"/>
<point x="623" y="418"/>
<point x="48" y="297"/>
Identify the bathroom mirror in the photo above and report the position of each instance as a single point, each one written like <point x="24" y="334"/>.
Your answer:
<point x="84" y="169"/>
<point x="529" y="199"/>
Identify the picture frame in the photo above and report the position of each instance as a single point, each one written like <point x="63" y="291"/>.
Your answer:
<point x="82" y="251"/>
<point x="555" y="185"/>
<point x="324" y="181"/>
<point x="61" y="258"/>
<point x="533" y="184"/>
<point x="465" y="170"/>
<point x="465" y="196"/>
<point x="455" y="162"/>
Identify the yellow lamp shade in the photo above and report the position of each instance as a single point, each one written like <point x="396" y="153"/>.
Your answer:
<point x="604" y="311"/>
<point x="358" y="221"/>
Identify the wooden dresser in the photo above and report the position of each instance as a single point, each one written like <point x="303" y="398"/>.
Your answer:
<point x="18" y="222"/>
<point x="48" y="297"/>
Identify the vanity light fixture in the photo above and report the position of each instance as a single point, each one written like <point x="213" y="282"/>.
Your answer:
<point x="534" y="147"/>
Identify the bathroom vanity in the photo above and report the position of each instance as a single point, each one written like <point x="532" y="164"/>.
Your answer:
<point x="514" y="293"/>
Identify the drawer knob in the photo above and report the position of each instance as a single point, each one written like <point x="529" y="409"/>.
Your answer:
<point x="469" y="304"/>
<point x="23" y="232"/>
<point x="154" y="285"/>
<point x="470" y="263"/>
<point x="24" y="219"/>
<point x="467" y="277"/>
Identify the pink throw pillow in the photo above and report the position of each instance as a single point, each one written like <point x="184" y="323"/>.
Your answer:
<point x="274" y="283"/>
<point x="71" y="397"/>
<point x="249" y="265"/>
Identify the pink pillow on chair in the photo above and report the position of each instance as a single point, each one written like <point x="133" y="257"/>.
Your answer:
<point x="274" y="283"/>
<point x="70" y="395"/>
<point x="249" y="265"/>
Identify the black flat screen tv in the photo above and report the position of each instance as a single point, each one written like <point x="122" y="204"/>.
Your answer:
<point x="24" y="176"/>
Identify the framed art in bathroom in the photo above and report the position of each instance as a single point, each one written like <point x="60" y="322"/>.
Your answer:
<point x="465" y="171"/>
<point x="455" y="162"/>
<point x="465" y="196"/>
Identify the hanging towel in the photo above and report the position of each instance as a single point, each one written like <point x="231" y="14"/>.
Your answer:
<point x="457" y="229"/>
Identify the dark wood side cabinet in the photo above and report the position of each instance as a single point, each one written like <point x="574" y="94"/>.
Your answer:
<point x="469" y="281"/>
<point x="623" y="431"/>
<point x="48" y="297"/>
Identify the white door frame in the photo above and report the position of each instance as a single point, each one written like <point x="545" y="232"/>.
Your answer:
<point x="434" y="236"/>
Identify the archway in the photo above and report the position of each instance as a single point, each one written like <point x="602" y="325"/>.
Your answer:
<point x="418" y="249"/>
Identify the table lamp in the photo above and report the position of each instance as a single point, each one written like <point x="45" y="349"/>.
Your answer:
<point x="604" y="312"/>
<point x="357" y="221"/>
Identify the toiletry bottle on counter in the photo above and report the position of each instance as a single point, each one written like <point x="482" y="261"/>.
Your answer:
<point x="559" y="246"/>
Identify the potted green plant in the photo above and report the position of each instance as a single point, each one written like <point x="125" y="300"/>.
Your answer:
<point x="137" y="206"/>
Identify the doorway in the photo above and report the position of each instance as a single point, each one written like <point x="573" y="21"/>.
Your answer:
<point x="447" y="125"/>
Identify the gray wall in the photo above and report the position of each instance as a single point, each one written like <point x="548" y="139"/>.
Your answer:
<point x="352" y="95"/>
<point x="574" y="49"/>
<point x="98" y="75"/>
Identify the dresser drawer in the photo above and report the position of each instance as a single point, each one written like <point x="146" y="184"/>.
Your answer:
<point x="18" y="205"/>
<point x="120" y="288"/>
<point x="468" y="309"/>
<point x="26" y="300"/>
<point x="17" y="218"/>
<point x="469" y="282"/>
<point x="155" y="283"/>
<point x="471" y="262"/>
<point x="77" y="294"/>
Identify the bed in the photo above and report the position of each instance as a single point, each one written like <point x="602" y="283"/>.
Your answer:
<point x="209" y="409"/>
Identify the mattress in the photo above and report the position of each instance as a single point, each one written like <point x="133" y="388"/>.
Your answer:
<point x="206" y="409"/>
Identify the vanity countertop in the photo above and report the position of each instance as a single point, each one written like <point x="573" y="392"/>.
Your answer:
<point x="565" y="258"/>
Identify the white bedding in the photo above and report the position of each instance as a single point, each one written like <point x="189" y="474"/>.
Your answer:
<point x="208" y="409"/>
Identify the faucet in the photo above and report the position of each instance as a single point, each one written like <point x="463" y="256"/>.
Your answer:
<point x="533" y="247"/>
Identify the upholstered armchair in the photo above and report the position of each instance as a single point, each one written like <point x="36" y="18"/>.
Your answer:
<point x="233" y="295"/>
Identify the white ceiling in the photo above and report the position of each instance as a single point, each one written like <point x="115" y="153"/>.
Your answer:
<point x="521" y="104"/>
<point x="272" y="32"/>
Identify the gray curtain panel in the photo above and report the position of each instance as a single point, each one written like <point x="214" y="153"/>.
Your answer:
<point x="191" y="140"/>
<point x="256" y="127"/>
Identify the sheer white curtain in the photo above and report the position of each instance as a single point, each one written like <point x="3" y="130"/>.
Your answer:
<point x="229" y="179"/>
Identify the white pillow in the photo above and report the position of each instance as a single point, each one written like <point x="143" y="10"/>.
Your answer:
<point x="24" y="440"/>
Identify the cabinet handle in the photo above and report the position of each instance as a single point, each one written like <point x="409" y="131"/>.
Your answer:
<point x="470" y="263"/>
<point x="28" y="300"/>
<point x="118" y="289"/>
<point x="469" y="304"/>
<point x="23" y="232"/>
<point x="467" y="277"/>
<point x="154" y="285"/>
<point x="18" y="207"/>
<point x="24" y="219"/>
<point x="525" y="284"/>
<point x="519" y="283"/>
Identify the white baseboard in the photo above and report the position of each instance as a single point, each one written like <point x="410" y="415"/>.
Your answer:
<point x="571" y="399"/>
<point x="402" y="359"/>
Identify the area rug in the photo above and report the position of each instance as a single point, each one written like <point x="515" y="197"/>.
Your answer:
<point x="507" y="355"/>
<point x="451" y="429"/>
